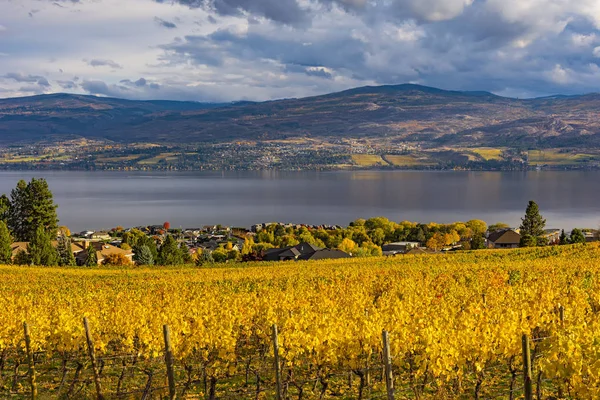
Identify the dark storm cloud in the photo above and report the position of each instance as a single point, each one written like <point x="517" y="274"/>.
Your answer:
<point x="164" y="23"/>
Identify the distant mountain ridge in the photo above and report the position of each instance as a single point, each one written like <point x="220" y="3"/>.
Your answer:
<point x="430" y="116"/>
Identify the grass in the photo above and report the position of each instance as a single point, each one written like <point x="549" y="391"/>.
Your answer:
<point x="556" y="157"/>
<point x="368" y="160"/>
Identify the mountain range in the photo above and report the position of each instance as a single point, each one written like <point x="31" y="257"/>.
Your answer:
<point x="409" y="113"/>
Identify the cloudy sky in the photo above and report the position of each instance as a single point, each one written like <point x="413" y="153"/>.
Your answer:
<point x="223" y="50"/>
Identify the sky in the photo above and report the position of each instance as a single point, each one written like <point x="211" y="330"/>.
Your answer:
<point x="227" y="50"/>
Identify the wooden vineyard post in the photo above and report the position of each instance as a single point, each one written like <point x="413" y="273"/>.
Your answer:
<point x="561" y="313"/>
<point x="528" y="386"/>
<point x="30" y="361"/>
<point x="387" y="360"/>
<point x="276" y="362"/>
<point x="169" y="362"/>
<point x="92" y="354"/>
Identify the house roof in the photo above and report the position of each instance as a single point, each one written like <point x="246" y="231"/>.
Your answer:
<point x="306" y="248"/>
<point x="18" y="246"/>
<point x="505" y="236"/>
<point x="323" y="254"/>
<point x="104" y="250"/>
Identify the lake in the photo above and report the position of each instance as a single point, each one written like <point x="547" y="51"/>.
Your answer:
<point x="103" y="200"/>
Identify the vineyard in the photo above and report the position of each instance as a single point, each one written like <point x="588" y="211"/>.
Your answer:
<point x="457" y="324"/>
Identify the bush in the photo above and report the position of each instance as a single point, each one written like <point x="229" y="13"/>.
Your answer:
<point x="117" y="260"/>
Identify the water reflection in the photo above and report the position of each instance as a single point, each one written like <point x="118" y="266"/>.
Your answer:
<point x="96" y="200"/>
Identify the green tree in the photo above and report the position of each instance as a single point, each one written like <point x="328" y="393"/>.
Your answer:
<point x="4" y="208"/>
<point x="133" y="237"/>
<point x="577" y="236"/>
<point x="22" y="258"/>
<point x="169" y="253"/>
<point x="5" y="244"/>
<point x="40" y="249"/>
<point x="233" y="255"/>
<point x="532" y="226"/>
<point x="65" y="253"/>
<point x="204" y="258"/>
<point x="498" y="226"/>
<point x="478" y="242"/>
<point x="477" y="226"/>
<point x="150" y="243"/>
<point x="91" y="257"/>
<point x="185" y="253"/>
<point x="32" y="206"/>
<point x="143" y="256"/>
<point x="563" y="238"/>
<point x="219" y="255"/>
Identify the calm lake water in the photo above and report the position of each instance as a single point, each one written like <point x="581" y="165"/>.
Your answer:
<point x="102" y="200"/>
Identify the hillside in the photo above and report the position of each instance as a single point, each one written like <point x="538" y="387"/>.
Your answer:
<point x="428" y="116"/>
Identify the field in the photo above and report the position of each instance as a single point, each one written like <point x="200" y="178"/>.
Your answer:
<point x="407" y="160"/>
<point x="455" y="324"/>
<point x="119" y="159"/>
<point x="555" y="157"/>
<point x="368" y="160"/>
<point x="488" y="153"/>
<point x="157" y="159"/>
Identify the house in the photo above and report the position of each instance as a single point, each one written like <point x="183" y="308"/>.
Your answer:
<point x="100" y="235"/>
<point x="18" y="247"/>
<point x="398" y="247"/>
<point x="503" y="239"/>
<point x="552" y="236"/>
<point x="103" y="250"/>
<point x="302" y="251"/>
<point x="325" y="254"/>
<point x="591" y="236"/>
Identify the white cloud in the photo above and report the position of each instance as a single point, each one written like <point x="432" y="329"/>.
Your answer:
<point x="265" y="49"/>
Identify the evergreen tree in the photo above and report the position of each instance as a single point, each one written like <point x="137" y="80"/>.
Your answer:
<point x="32" y="206"/>
<point x="143" y="256"/>
<point x="169" y="253"/>
<point x="204" y="258"/>
<point x="577" y="236"/>
<point x="91" y="258"/>
<point x="151" y="244"/>
<point x="4" y="208"/>
<point x="532" y="226"/>
<point x="40" y="249"/>
<point x="563" y="238"/>
<point x="185" y="253"/>
<point x="5" y="244"/>
<point x="65" y="253"/>
<point x="22" y="258"/>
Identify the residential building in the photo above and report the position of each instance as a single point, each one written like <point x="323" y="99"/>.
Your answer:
<point x="103" y="250"/>
<point x="390" y="249"/>
<point x="303" y="251"/>
<point x="503" y="239"/>
<point x="552" y="236"/>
